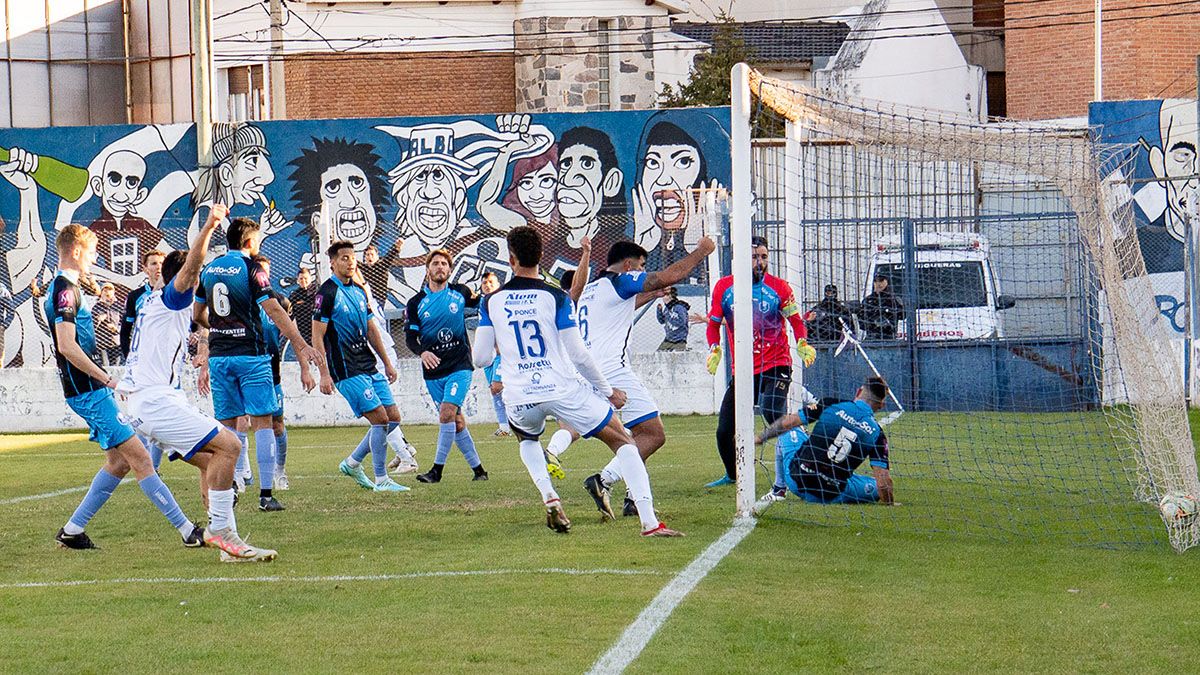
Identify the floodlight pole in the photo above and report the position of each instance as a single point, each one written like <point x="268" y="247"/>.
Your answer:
<point x="743" y="315"/>
<point x="1098" y="61"/>
<point x="202" y="66"/>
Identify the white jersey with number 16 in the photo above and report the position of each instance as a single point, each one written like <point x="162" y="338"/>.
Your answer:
<point x="526" y="315"/>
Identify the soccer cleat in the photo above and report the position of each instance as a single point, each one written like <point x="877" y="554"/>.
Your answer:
<point x="554" y="465"/>
<point x="412" y="450"/>
<point x="629" y="508"/>
<point x="556" y="518"/>
<point x="239" y="484"/>
<point x="777" y="494"/>
<point x="248" y="477"/>
<point x="400" y="466"/>
<point x="357" y="474"/>
<point x="196" y="538"/>
<point x="723" y="480"/>
<point x="430" y="476"/>
<point x="501" y="433"/>
<point x="482" y="475"/>
<point x="269" y="504"/>
<point x="78" y="542"/>
<point x="662" y="531"/>
<point x="281" y="479"/>
<point x="599" y="491"/>
<point x="389" y="485"/>
<point x="233" y="549"/>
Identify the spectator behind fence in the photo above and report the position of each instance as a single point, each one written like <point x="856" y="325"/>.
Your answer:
<point x="106" y="314"/>
<point x="824" y="319"/>
<point x="302" y="303"/>
<point x="881" y="311"/>
<point x="673" y="314"/>
<point x="377" y="270"/>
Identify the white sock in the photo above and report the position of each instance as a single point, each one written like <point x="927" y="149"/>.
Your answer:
<point x="352" y="463"/>
<point x="559" y="442"/>
<point x="185" y="529"/>
<point x="380" y="479"/>
<point x="637" y="482"/>
<point x="220" y="510"/>
<point x="278" y="469"/>
<point x="535" y="462"/>
<point x="72" y="528"/>
<point x="399" y="445"/>
<point x="611" y="474"/>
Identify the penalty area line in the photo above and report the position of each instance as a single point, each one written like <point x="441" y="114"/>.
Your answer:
<point x="271" y="579"/>
<point x="48" y="495"/>
<point x="638" y="634"/>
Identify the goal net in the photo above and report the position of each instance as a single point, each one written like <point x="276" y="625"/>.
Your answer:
<point x="991" y="273"/>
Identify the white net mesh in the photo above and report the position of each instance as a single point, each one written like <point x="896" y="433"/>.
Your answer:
<point x="993" y="275"/>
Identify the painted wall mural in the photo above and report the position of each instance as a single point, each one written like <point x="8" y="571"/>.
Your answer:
<point x="1156" y="141"/>
<point x="398" y="186"/>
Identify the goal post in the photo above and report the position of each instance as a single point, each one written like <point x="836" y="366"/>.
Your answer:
<point x="992" y="274"/>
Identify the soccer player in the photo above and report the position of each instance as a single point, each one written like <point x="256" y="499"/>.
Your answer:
<point x="606" y="316"/>
<point x="820" y="468"/>
<point x="275" y="348"/>
<point x="160" y="409"/>
<point x="345" y="336"/>
<point x="152" y="267"/>
<point x="773" y="304"/>
<point x="532" y="325"/>
<point x="437" y="332"/>
<point x="489" y="285"/>
<point x="88" y="389"/>
<point x="232" y="290"/>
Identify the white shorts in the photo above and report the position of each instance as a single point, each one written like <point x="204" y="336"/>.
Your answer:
<point x="584" y="409"/>
<point x="639" y="406"/>
<point x="165" y="416"/>
<point x="388" y="343"/>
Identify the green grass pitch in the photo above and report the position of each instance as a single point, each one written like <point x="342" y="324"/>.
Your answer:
<point x="794" y="596"/>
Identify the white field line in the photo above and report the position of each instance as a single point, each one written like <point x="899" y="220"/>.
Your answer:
<point x="48" y="495"/>
<point x="325" y="579"/>
<point x="638" y="634"/>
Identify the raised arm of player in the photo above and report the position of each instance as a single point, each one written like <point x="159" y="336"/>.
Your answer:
<point x="583" y="273"/>
<point x="679" y="270"/>
<point x="189" y="274"/>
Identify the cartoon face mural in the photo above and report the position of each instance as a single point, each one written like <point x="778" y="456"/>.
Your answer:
<point x="405" y="186"/>
<point x="1174" y="162"/>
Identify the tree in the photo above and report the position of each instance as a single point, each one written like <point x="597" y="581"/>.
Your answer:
<point x="708" y="78"/>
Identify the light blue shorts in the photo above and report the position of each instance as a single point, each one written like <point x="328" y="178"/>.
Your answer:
<point x="242" y="385"/>
<point x="451" y="388"/>
<point x="106" y="425"/>
<point x="860" y="489"/>
<point x="365" y="393"/>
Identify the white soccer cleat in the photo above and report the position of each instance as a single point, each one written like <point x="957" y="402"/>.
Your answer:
<point x="239" y="484"/>
<point x="775" y="495"/>
<point x="281" y="479"/>
<point x="402" y="466"/>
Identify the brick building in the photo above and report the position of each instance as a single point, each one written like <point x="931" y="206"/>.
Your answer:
<point x="1146" y="54"/>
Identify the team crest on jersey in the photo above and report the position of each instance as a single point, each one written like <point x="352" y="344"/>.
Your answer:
<point x="368" y="394"/>
<point x="445" y="335"/>
<point x="536" y="378"/>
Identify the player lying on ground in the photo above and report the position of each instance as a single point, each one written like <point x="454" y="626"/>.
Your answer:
<point x="606" y="315"/>
<point x="345" y="336"/>
<point x="437" y="332"/>
<point x="532" y="325"/>
<point x="820" y="467"/>
<point x="232" y="290"/>
<point x="88" y="389"/>
<point x="161" y="410"/>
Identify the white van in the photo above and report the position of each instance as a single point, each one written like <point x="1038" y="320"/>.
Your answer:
<point x="957" y="295"/>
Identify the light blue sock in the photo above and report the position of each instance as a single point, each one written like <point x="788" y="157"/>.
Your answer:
<point x="281" y="449"/>
<point x="466" y="445"/>
<point x="264" y="453"/>
<point x="501" y="412"/>
<point x="156" y="452"/>
<point x="102" y="488"/>
<point x="364" y="446"/>
<point x="379" y="456"/>
<point x="445" y="440"/>
<point x="158" y="493"/>
<point x="780" y="469"/>
<point x="243" y="462"/>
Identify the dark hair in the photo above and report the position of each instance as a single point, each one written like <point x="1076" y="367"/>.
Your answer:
<point x="758" y="240"/>
<point x="150" y="254"/>
<point x="261" y="259"/>
<point x="239" y="230"/>
<point x="336" y="246"/>
<point x="525" y="244"/>
<point x="875" y="388"/>
<point x="567" y="279"/>
<point x="623" y="250"/>
<point x="325" y="154"/>
<point x="669" y="133"/>
<point x="490" y="273"/>
<point x="440" y="253"/>
<point x="172" y="264"/>
<point x="606" y="153"/>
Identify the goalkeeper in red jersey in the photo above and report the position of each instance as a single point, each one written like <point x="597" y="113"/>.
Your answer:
<point x="774" y="305"/>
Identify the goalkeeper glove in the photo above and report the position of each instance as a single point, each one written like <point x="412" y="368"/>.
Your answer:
<point x="714" y="359"/>
<point x="805" y="351"/>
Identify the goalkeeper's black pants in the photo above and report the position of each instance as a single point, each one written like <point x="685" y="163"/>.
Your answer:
<point x="770" y="395"/>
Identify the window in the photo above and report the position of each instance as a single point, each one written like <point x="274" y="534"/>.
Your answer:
<point x="125" y="256"/>
<point x="988" y="13"/>
<point x="603" y="81"/>
<point x="942" y="285"/>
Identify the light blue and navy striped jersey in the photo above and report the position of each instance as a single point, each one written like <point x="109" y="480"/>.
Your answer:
<point x="344" y="309"/>
<point x="436" y="323"/>
<point x="232" y="286"/>
<point x="65" y="304"/>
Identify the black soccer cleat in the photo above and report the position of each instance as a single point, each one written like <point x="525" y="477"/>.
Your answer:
<point x="430" y="477"/>
<point x="269" y="504"/>
<point x="480" y="475"/>
<point x="78" y="542"/>
<point x="629" y="509"/>
<point x="195" y="538"/>
<point x="599" y="491"/>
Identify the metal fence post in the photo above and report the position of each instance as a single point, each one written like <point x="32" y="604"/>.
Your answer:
<point x="910" y="306"/>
